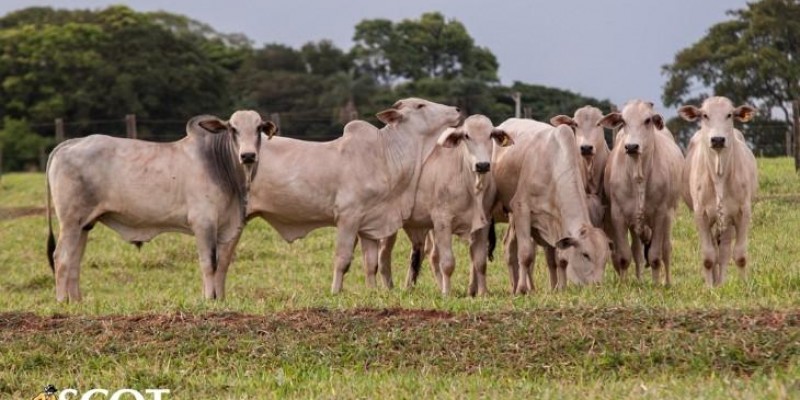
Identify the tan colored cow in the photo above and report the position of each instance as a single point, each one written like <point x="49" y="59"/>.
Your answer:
<point x="139" y="189"/>
<point x="540" y="182"/>
<point x="719" y="184"/>
<point x="454" y="196"/>
<point x="363" y="183"/>
<point x="594" y="151"/>
<point x="642" y="182"/>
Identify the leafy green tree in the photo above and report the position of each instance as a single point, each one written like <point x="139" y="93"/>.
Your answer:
<point x="20" y="145"/>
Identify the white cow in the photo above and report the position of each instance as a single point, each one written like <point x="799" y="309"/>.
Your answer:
<point x="363" y="183"/>
<point x="719" y="184"/>
<point x="196" y="185"/>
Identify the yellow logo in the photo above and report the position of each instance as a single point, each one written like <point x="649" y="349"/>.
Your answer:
<point x="49" y="393"/>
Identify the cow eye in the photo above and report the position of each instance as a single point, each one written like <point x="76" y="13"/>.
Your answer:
<point x="466" y="136"/>
<point x="420" y="106"/>
<point x="234" y="131"/>
<point x="705" y="116"/>
<point x="729" y="115"/>
<point x="586" y="256"/>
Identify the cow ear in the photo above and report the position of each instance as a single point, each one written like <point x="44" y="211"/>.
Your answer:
<point x="690" y="113"/>
<point x="744" y="113"/>
<point x="563" y="120"/>
<point x="611" y="121"/>
<point x="502" y="138"/>
<point x="450" y="138"/>
<point x="214" y="125"/>
<point x="658" y="121"/>
<point x="565" y="243"/>
<point x="389" y="116"/>
<point x="269" y="128"/>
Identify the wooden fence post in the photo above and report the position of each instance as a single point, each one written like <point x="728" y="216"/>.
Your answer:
<point x="130" y="126"/>
<point x="59" y="130"/>
<point x="517" y="96"/>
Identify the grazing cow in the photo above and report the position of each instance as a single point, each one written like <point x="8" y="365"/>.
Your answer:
<point x="197" y="185"/>
<point x="594" y="151"/>
<point x="363" y="183"/>
<point x="642" y="182"/>
<point x="719" y="184"/>
<point x="454" y="196"/>
<point x="540" y="182"/>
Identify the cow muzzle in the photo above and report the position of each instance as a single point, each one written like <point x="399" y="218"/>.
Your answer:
<point x="248" y="158"/>
<point x="482" y="167"/>
<point x="718" y="142"/>
<point x="587" y="150"/>
<point x="632" y="149"/>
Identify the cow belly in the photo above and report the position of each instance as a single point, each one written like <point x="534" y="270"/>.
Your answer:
<point x="136" y="230"/>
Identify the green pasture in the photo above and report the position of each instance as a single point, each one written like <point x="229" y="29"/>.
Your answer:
<point x="280" y="333"/>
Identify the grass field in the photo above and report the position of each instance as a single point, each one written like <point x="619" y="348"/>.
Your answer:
<point x="280" y="333"/>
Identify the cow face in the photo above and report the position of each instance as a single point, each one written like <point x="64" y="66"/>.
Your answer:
<point x="245" y="129"/>
<point x="477" y="135"/>
<point x="640" y="122"/>
<point x="584" y="256"/>
<point x="421" y="116"/>
<point x="716" y="119"/>
<point x="588" y="134"/>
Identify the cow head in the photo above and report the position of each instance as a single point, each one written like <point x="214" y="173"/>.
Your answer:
<point x="588" y="134"/>
<point x="584" y="255"/>
<point x="477" y="135"/>
<point x="716" y="119"/>
<point x="421" y="116"/>
<point x="245" y="129"/>
<point x="641" y="123"/>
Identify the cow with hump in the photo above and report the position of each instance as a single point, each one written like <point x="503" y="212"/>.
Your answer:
<point x="540" y="185"/>
<point x="363" y="183"/>
<point x="197" y="185"/>
<point x="455" y="196"/>
<point x="594" y="150"/>
<point x="719" y="184"/>
<point x="642" y="182"/>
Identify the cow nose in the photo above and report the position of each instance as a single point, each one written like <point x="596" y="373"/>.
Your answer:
<point x="717" y="142"/>
<point x="587" y="149"/>
<point x="248" y="158"/>
<point x="482" y="167"/>
<point x="632" y="148"/>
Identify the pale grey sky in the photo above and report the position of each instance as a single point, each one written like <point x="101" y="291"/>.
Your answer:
<point x="601" y="48"/>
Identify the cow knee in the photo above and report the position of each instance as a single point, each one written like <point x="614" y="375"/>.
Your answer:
<point x="741" y="262"/>
<point x="708" y="263"/>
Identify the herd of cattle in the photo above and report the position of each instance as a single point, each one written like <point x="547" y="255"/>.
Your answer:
<point x="431" y="173"/>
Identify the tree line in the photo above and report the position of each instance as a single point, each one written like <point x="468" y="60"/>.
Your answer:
<point x="92" y="67"/>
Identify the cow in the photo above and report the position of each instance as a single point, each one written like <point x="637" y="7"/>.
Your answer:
<point x="363" y="183"/>
<point x="719" y="184"/>
<point x="642" y="183"/>
<point x="540" y="183"/>
<point x="197" y="185"/>
<point x="454" y="196"/>
<point x="594" y="151"/>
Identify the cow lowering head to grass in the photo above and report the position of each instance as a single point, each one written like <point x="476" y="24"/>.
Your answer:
<point x="197" y="185"/>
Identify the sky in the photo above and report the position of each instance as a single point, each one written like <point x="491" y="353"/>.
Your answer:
<point x="607" y="49"/>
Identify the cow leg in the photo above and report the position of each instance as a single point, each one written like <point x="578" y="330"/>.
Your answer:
<point x="637" y="248"/>
<point x="226" y="251"/>
<point x="208" y="253"/>
<point x="510" y="254"/>
<point x="385" y="259"/>
<point x="525" y="251"/>
<point x="68" y="254"/>
<point x="724" y="255"/>
<point x="742" y="224"/>
<point x="428" y="246"/>
<point x="558" y="275"/>
<point x="666" y="256"/>
<point x="661" y="233"/>
<point x="479" y="251"/>
<point x="708" y="247"/>
<point x="417" y="239"/>
<point x="345" y="240"/>
<point x="621" y="256"/>
<point x="369" y="250"/>
<point x="443" y="238"/>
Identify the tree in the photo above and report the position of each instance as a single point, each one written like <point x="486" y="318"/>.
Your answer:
<point x="20" y="146"/>
<point x="752" y="58"/>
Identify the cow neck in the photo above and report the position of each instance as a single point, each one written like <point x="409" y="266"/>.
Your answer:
<point x="570" y="198"/>
<point x="718" y="167"/>
<point x="477" y="184"/>
<point x="640" y="169"/>
<point x="405" y="154"/>
<point x="222" y="166"/>
<point x="595" y="172"/>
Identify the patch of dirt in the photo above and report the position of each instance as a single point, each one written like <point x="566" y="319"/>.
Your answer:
<point x="19" y="212"/>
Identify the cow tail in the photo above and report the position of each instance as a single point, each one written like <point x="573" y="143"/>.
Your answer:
<point x="416" y="261"/>
<point x="492" y="239"/>
<point x="51" y="240"/>
<point x="647" y="254"/>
